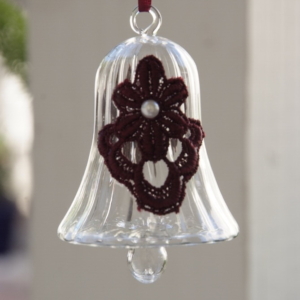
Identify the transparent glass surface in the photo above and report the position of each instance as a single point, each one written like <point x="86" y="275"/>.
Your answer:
<point x="147" y="264"/>
<point x="104" y="212"/>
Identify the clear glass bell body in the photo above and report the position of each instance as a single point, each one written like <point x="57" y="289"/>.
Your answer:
<point x="104" y="212"/>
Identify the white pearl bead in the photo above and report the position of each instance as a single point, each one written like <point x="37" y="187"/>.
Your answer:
<point x="150" y="109"/>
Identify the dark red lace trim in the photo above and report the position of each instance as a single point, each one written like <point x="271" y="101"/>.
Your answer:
<point x="152" y="137"/>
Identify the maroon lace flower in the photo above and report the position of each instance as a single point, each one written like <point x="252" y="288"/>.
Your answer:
<point x="150" y="117"/>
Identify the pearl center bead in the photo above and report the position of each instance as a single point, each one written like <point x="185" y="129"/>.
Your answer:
<point x="150" y="109"/>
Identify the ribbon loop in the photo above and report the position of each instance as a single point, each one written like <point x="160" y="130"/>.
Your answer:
<point x="144" y="5"/>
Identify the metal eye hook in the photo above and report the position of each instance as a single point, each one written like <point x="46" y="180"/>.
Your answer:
<point x="152" y="28"/>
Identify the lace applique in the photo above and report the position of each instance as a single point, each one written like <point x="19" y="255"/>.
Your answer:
<point x="150" y="116"/>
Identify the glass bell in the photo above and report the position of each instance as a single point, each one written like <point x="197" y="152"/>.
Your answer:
<point x="109" y="208"/>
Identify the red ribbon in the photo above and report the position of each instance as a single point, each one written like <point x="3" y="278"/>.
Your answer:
<point x="144" y="5"/>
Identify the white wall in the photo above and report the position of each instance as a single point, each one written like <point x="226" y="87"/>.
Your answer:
<point x="68" y="39"/>
<point x="274" y="149"/>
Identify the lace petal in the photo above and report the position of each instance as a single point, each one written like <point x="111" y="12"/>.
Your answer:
<point x="150" y="77"/>
<point x="174" y="94"/>
<point x="127" y="97"/>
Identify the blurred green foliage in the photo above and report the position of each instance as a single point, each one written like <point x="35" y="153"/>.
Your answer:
<point x="13" y="30"/>
<point x="13" y="36"/>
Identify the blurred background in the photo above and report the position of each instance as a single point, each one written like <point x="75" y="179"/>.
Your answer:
<point x="248" y="56"/>
<point x="16" y="137"/>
